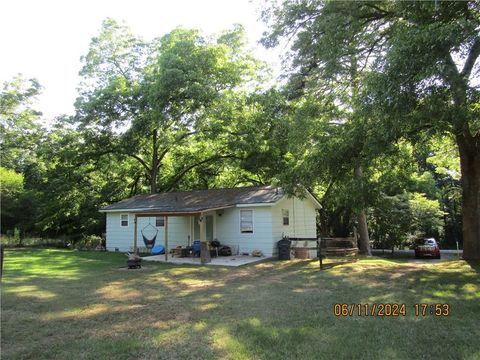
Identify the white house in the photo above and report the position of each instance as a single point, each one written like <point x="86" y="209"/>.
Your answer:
<point x="246" y="219"/>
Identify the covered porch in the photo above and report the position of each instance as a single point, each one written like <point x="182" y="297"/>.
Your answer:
<point x="188" y="227"/>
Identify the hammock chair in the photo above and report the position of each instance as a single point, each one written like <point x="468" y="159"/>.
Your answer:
<point x="149" y="243"/>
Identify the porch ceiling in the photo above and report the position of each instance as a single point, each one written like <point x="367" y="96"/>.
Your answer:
<point x="147" y="213"/>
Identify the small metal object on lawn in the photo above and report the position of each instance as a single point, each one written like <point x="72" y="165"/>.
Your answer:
<point x="134" y="264"/>
<point x="134" y="261"/>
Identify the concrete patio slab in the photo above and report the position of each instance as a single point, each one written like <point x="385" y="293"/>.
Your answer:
<point x="238" y="260"/>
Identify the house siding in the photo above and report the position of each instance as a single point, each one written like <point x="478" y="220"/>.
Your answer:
<point x="228" y="230"/>
<point x="122" y="237"/>
<point x="303" y="222"/>
<point x="119" y="237"/>
<point x="268" y="228"/>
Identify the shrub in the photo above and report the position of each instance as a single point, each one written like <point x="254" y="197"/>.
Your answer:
<point x="90" y="242"/>
<point x="399" y="220"/>
<point x="33" y="242"/>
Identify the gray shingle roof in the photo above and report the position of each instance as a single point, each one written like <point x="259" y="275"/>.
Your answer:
<point x="198" y="200"/>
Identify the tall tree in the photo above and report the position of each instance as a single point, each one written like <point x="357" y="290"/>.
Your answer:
<point x="11" y="187"/>
<point x="19" y="124"/>
<point x="333" y="76"/>
<point x="422" y="57"/>
<point x="70" y="181"/>
<point x="20" y="136"/>
<point x="151" y="101"/>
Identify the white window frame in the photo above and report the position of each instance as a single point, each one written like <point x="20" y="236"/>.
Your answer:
<point x="159" y="218"/>
<point x="240" y="222"/>
<point x="286" y="211"/>
<point x="121" y="220"/>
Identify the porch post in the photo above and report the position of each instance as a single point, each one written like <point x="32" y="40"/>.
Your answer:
<point x="204" y="251"/>
<point x="135" y="248"/>
<point x="166" y="238"/>
<point x="190" y="232"/>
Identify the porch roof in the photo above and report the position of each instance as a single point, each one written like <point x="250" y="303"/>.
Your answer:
<point x="193" y="202"/>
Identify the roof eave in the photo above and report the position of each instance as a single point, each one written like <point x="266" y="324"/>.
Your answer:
<point x="259" y="204"/>
<point x="314" y="199"/>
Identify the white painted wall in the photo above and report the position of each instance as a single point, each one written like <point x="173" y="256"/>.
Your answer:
<point x="117" y="236"/>
<point x="122" y="237"/>
<point x="228" y="230"/>
<point x="268" y="228"/>
<point x="303" y="222"/>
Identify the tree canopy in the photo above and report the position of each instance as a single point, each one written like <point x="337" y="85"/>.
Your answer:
<point x="407" y="68"/>
<point x="378" y="115"/>
<point x="153" y="101"/>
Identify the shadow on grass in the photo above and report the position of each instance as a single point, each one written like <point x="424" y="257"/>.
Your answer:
<point x="474" y="264"/>
<point x="270" y="310"/>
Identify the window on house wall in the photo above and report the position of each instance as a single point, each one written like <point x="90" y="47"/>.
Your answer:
<point x="286" y="217"/>
<point x="246" y="221"/>
<point x="159" y="221"/>
<point x="124" y="220"/>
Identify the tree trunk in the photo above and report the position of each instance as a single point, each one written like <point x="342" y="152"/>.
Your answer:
<point x="364" y="239"/>
<point x="154" y="167"/>
<point x="469" y="149"/>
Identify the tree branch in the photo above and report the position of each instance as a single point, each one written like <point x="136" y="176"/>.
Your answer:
<point x="134" y="184"/>
<point x="452" y="75"/>
<point x="161" y="156"/>
<point x="177" y="141"/>
<point x="471" y="59"/>
<point x="141" y="161"/>
<point x="190" y="167"/>
<point x="246" y="178"/>
<point x="93" y="155"/>
<point x="382" y="13"/>
<point x="117" y="65"/>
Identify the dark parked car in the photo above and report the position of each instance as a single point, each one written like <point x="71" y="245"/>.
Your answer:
<point x="427" y="247"/>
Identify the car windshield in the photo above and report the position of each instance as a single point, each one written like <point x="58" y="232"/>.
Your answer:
<point x="426" y="242"/>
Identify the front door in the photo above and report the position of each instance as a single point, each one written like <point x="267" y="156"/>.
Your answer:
<point x="209" y="225"/>
<point x="209" y="228"/>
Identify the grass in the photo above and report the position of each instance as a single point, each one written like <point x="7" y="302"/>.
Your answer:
<point x="66" y="305"/>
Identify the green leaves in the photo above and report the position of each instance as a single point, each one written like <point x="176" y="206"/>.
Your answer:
<point x="157" y="101"/>
<point x="11" y="188"/>
<point x="364" y="79"/>
<point x="19" y="123"/>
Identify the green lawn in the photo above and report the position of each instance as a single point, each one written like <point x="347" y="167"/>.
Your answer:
<point x="70" y="305"/>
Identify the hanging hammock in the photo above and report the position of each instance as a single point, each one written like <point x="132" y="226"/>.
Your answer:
<point x="149" y="243"/>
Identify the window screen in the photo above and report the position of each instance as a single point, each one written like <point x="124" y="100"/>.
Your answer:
<point x="124" y="220"/>
<point x="246" y="221"/>
<point x="159" y="221"/>
<point x="286" y="217"/>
